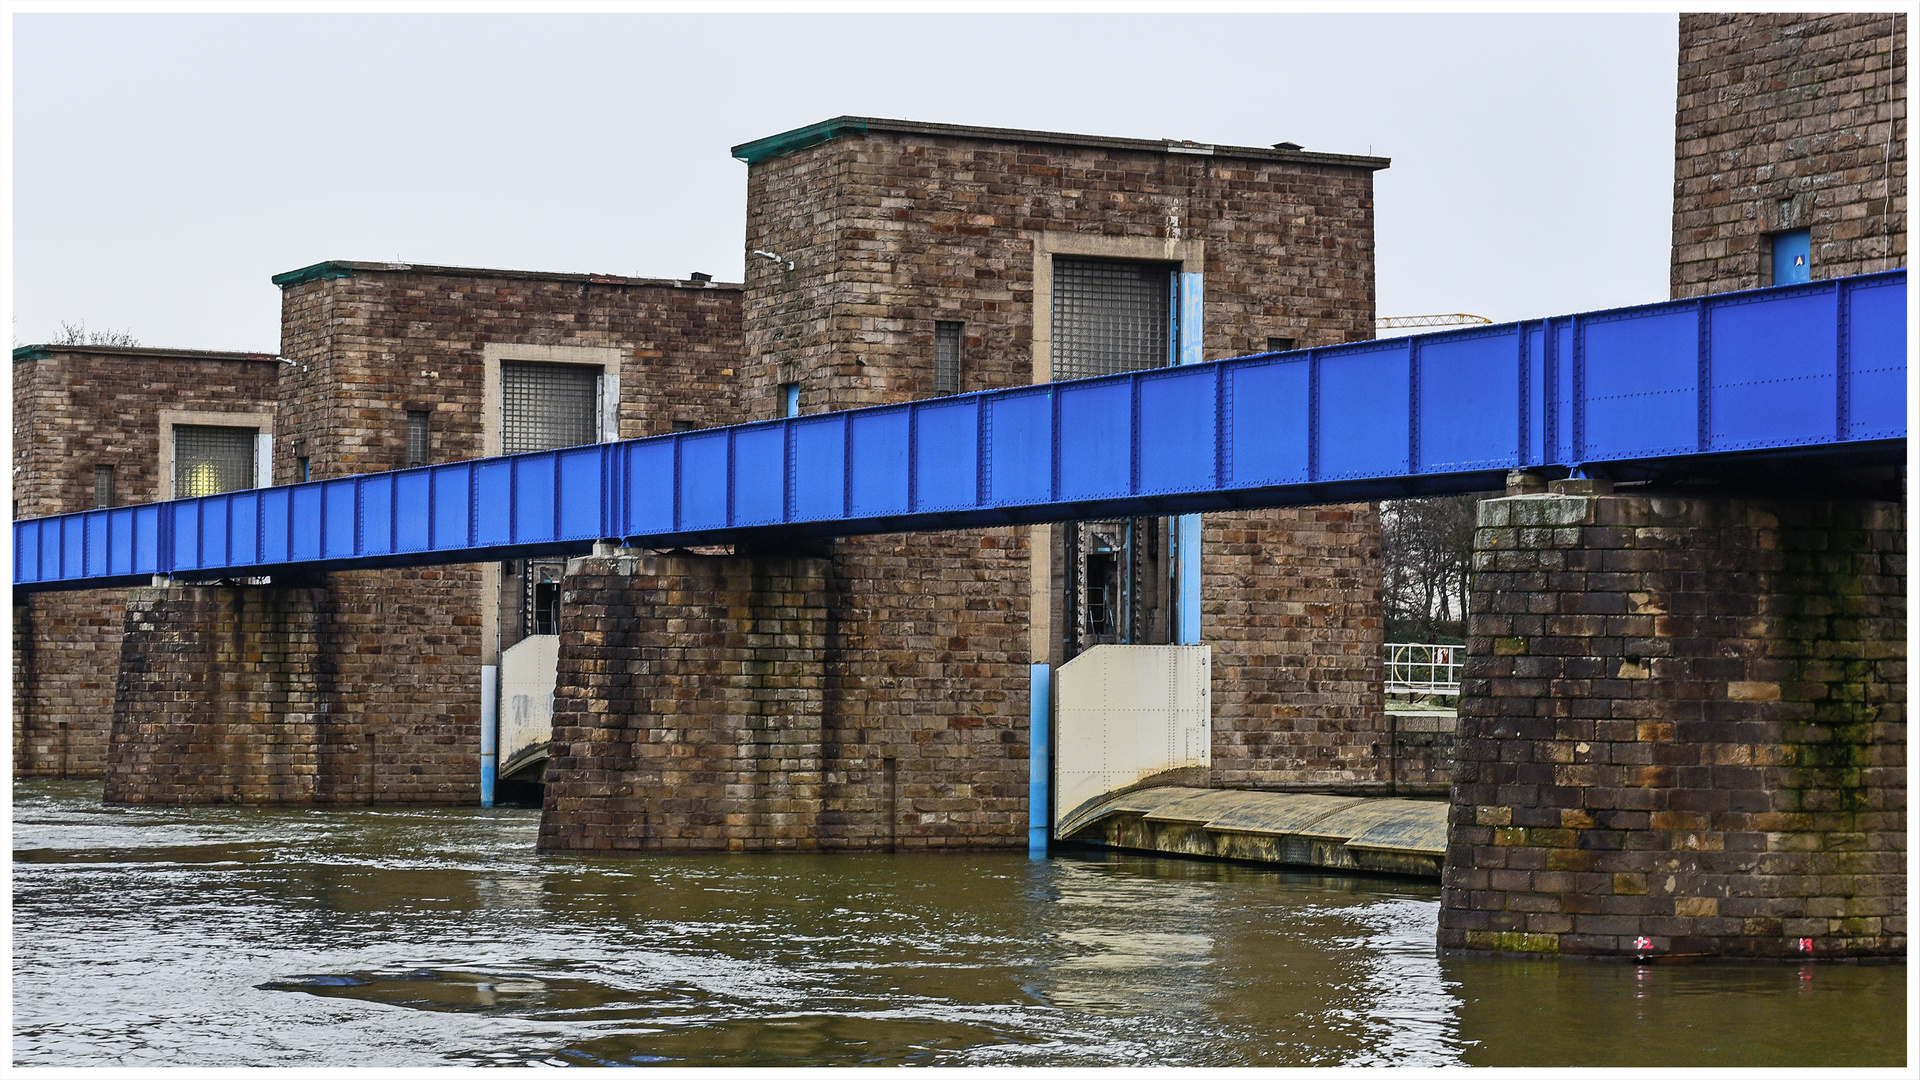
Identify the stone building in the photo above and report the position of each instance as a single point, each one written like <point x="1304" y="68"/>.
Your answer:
<point x="1790" y="149"/>
<point x="387" y="367"/>
<point x="893" y="261"/>
<point x="890" y="261"/>
<point x="99" y="426"/>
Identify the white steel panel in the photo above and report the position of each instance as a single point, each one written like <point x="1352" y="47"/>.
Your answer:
<point x="1128" y="713"/>
<point x="528" y="672"/>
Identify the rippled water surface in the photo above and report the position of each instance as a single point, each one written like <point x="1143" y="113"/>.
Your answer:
<point x="239" y="936"/>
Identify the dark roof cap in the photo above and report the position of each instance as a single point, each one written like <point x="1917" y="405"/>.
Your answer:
<point x="43" y="352"/>
<point x="813" y="134"/>
<point x="339" y="268"/>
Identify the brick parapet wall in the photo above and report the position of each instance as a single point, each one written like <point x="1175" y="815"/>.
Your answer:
<point x="1683" y="719"/>
<point x="688" y="713"/>
<point x="259" y="694"/>
<point x="1788" y="121"/>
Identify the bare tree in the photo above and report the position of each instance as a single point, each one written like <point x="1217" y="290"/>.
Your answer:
<point x="76" y="333"/>
<point x="1426" y="554"/>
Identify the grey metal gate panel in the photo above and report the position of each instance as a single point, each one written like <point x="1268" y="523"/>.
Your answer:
<point x="548" y="406"/>
<point x="1110" y="316"/>
<point x="209" y="460"/>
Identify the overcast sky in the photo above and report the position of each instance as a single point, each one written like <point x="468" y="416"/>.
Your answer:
<point x="165" y="167"/>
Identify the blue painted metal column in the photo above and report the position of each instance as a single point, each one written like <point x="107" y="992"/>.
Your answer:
<point x="1039" y="760"/>
<point x="1186" y="527"/>
<point x="489" y="730"/>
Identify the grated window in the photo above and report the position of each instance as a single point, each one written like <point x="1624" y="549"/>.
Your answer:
<point x="210" y="460"/>
<point x="946" y="357"/>
<point x="548" y="406"/>
<point x="102" y="486"/>
<point x="416" y="437"/>
<point x="1110" y="316"/>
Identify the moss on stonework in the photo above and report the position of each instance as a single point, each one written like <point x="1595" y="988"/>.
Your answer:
<point x="1514" y="941"/>
<point x="1832" y="751"/>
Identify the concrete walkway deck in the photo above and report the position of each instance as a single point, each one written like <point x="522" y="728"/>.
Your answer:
<point x="1334" y="832"/>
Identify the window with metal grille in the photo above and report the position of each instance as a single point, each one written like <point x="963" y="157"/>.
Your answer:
<point x="548" y="406"/>
<point x="1280" y="344"/>
<point x="1110" y="316"/>
<point x="210" y="460"/>
<point x="946" y="357"/>
<point x="416" y="437"/>
<point x="102" y="486"/>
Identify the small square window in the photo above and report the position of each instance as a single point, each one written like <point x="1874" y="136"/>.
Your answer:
<point x="417" y="440"/>
<point x="1280" y="344"/>
<point x="946" y="357"/>
<point x="683" y="425"/>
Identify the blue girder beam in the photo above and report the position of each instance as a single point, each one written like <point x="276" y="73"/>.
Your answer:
<point x="1815" y="370"/>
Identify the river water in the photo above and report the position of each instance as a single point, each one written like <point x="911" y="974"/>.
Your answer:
<point x="247" y="936"/>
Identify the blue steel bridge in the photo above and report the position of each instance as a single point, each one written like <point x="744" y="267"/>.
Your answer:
<point x="1812" y="375"/>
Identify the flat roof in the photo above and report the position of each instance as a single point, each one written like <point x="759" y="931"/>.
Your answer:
<point x="42" y="352"/>
<point x="813" y="134"/>
<point x="339" y="268"/>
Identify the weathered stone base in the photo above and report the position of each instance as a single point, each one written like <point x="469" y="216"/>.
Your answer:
<point x="235" y="694"/>
<point x="66" y="655"/>
<point x="687" y="715"/>
<point x="1682" y="730"/>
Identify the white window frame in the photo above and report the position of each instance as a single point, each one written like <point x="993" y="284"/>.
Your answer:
<point x="260" y="422"/>
<point x="605" y="359"/>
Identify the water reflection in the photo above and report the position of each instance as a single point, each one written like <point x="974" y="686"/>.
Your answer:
<point x="233" y="936"/>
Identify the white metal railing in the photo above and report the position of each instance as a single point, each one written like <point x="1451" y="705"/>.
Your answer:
<point x="1419" y="669"/>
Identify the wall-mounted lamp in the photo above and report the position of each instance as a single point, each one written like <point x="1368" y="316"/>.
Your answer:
<point x="776" y="258"/>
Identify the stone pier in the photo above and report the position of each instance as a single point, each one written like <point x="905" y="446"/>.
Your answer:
<point x="270" y="694"/>
<point x="1682" y="729"/>
<point x="688" y="711"/>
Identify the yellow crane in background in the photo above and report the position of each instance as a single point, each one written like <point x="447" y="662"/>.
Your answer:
<point x="1407" y="322"/>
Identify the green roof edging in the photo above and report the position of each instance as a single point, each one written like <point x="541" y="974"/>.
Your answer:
<point x="32" y="352"/>
<point x="787" y="142"/>
<point x="316" y="272"/>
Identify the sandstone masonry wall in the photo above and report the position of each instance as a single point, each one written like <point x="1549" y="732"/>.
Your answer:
<point x="263" y="694"/>
<point x="1291" y="605"/>
<point x="370" y="343"/>
<point x="1788" y="121"/>
<point x="1683" y="721"/>
<point x="688" y="712"/>
<point x="76" y="408"/>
